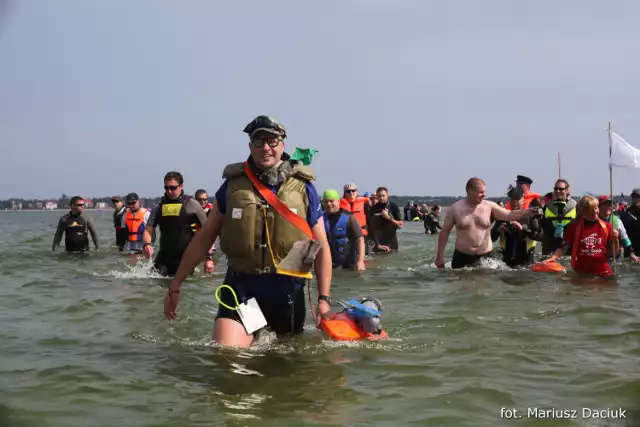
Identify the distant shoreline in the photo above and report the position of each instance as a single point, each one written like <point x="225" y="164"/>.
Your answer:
<point x="51" y="210"/>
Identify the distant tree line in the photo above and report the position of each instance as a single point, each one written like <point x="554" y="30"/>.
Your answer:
<point x="63" y="201"/>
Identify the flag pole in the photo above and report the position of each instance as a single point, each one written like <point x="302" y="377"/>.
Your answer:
<point x="615" y="241"/>
<point x="559" y="167"/>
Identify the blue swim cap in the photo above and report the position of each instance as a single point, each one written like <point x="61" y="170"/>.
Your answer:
<point x="367" y="194"/>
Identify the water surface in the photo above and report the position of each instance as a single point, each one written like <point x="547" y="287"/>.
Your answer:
<point x="84" y="343"/>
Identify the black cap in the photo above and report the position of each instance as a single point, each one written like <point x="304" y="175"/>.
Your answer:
<point x="132" y="197"/>
<point x="116" y="199"/>
<point x="635" y="192"/>
<point x="265" y="124"/>
<point x="521" y="179"/>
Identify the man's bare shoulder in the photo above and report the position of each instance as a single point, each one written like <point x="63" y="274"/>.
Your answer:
<point x="458" y="205"/>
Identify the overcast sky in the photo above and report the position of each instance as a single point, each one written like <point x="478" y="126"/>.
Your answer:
<point x="104" y="97"/>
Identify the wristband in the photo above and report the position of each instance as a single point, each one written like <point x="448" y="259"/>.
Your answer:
<point x="324" y="298"/>
<point x="174" y="291"/>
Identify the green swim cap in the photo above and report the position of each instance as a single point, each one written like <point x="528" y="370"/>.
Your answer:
<point x="330" y="195"/>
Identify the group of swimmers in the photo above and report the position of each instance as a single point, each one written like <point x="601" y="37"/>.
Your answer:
<point x="589" y="229"/>
<point x="276" y="230"/>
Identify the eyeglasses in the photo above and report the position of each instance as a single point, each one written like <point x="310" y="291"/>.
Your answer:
<point x="171" y="187"/>
<point x="271" y="142"/>
<point x="559" y="188"/>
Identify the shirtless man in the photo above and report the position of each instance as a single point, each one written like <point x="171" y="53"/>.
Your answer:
<point x="472" y="219"/>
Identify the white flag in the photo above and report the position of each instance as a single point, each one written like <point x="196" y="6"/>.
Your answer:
<point x="623" y="154"/>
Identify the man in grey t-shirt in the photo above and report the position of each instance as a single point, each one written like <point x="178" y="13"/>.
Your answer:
<point x="178" y="216"/>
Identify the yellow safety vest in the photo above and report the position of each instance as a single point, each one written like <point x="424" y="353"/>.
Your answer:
<point x="564" y="218"/>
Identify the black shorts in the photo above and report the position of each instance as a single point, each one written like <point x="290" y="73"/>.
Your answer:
<point x="460" y="259"/>
<point x="284" y="312"/>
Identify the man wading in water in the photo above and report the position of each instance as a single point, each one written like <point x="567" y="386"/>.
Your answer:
<point x="268" y="216"/>
<point x="472" y="219"/>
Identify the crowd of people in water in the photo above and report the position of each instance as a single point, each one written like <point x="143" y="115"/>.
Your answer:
<point x="275" y="228"/>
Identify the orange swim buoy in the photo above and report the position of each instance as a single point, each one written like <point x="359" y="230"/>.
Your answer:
<point x="341" y="327"/>
<point x="548" y="267"/>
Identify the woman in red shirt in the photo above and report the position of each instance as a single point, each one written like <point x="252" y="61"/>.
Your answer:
<point x="589" y="239"/>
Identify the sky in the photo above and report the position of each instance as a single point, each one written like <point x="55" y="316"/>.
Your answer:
<point x="104" y="97"/>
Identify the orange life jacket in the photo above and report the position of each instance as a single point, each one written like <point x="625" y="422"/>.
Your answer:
<point x="135" y="223"/>
<point x="528" y="198"/>
<point x="357" y="209"/>
<point x="341" y="327"/>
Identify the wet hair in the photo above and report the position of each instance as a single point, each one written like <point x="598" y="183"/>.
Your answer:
<point x="74" y="200"/>
<point x="200" y="192"/>
<point x="515" y="194"/>
<point x="177" y="176"/>
<point x="586" y="203"/>
<point x="473" y="183"/>
<point x="382" y="189"/>
<point x="435" y="208"/>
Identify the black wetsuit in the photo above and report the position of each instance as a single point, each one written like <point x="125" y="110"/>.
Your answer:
<point x="631" y="220"/>
<point x="383" y="231"/>
<point x="76" y="229"/>
<point x="177" y="228"/>
<point x="516" y="251"/>
<point x="122" y="234"/>
<point x="432" y="223"/>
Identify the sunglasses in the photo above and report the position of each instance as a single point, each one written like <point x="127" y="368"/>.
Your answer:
<point x="202" y="200"/>
<point x="559" y="188"/>
<point x="271" y="142"/>
<point x="132" y="203"/>
<point x="80" y="206"/>
<point x="115" y="201"/>
<point x="171" y="187"/>
<point x="351" y="191"/>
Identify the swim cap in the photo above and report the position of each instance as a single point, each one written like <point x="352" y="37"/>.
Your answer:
<point x="350" y="186"/>
<point x="330" y="195"/>
<point x="367" y="194"/>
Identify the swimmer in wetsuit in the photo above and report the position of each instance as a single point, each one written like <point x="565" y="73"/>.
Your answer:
<point x="472" y="219"/>
<point x="178" y="216"/>
<point x="122" y="234"/>
<point x="202" y="197"/>
<point x="76" y="229"/>
<point x="385" y="220"/>
<point x="432" y="221"/>
<point x="518" y="239"/>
